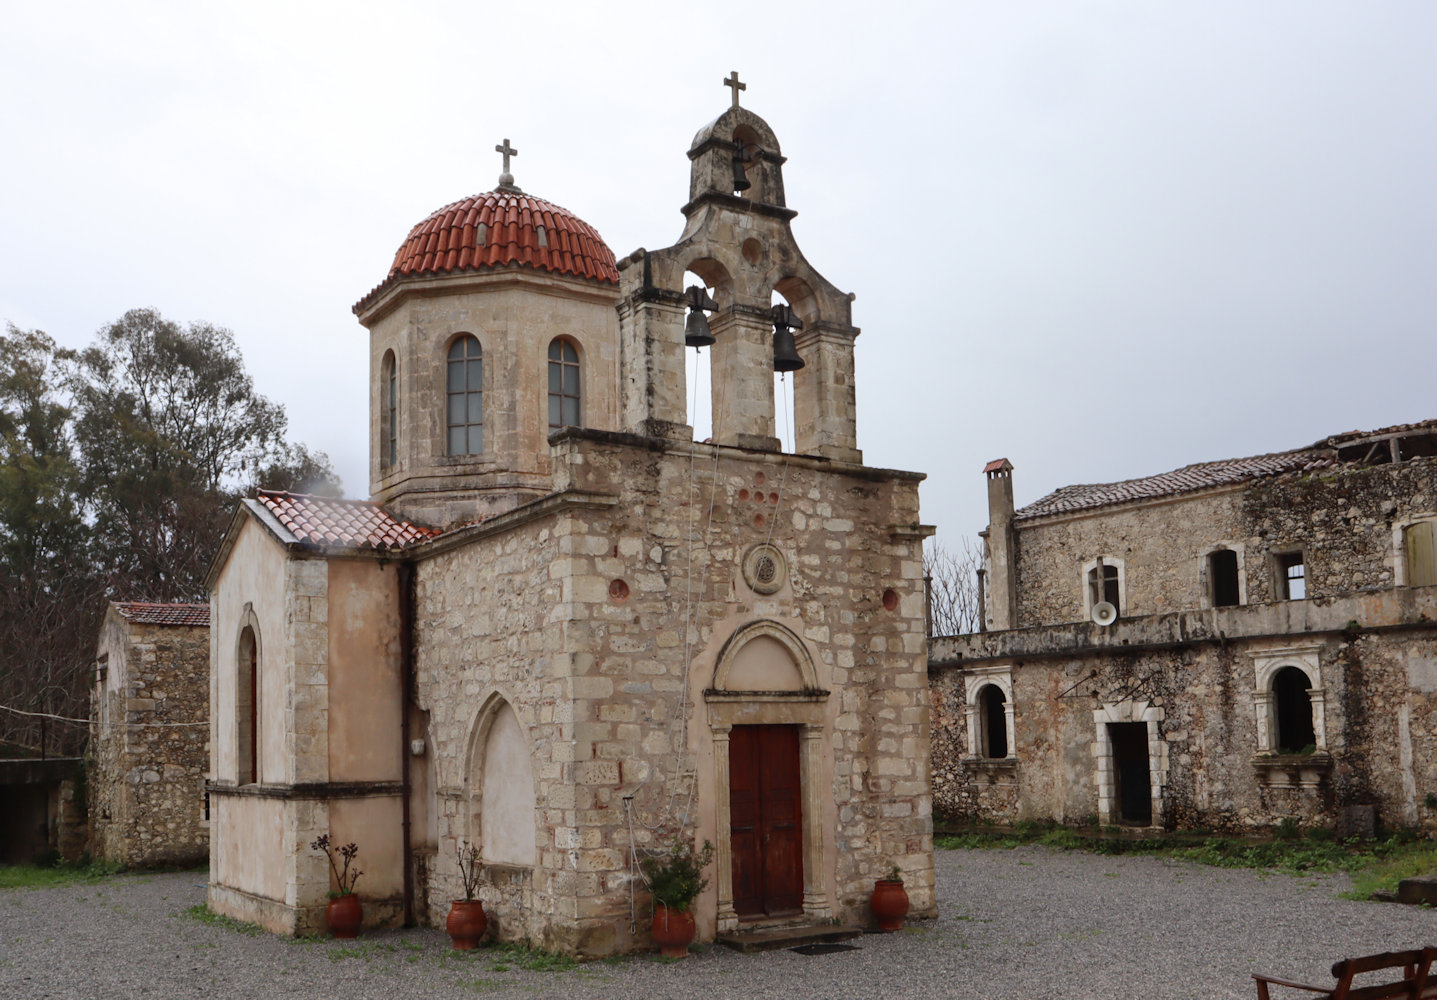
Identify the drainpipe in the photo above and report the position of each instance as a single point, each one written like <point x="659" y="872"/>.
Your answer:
<point x="406" y="681"/>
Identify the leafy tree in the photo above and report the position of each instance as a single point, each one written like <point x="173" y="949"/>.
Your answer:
<point x="170" y="430"/>
<point x="49" y="594"/>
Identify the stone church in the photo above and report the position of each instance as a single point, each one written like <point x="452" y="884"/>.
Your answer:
<point x="564" y="631"/>
<point x="1229" y="645"/>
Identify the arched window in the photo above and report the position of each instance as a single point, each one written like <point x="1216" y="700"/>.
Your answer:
<point x="994" y="721"/>
<point x="1293" y="711"/>
<point x="563" y="385"/>
<point x="464" y="397"/>
<point x="247" y="692"/>
<point x="389" y="418"/>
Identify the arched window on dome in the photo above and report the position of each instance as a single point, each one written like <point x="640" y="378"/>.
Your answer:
<point x="564" y="394"/>
<point x="464" y="397"/>
<point x="389" y="413"/>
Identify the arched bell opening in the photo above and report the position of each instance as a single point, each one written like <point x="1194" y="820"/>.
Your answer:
<point x="749" y="177"/>
<point x="708" y="278"/>
<point x="794" y="309"/>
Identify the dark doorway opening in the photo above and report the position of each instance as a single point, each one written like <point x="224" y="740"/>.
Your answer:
<point x="766" y="821"/>
<point x="1130" y="770"/>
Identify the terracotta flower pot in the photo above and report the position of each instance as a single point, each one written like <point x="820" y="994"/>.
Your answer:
<point x="673" y="931"/>
<point x="466" y="923"/>
<point x="344" y="915"/>
<point x="889" y="904"/>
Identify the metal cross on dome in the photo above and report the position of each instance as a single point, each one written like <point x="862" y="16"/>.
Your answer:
<point x="732" y="84"/>
<point x="506" y="179"/>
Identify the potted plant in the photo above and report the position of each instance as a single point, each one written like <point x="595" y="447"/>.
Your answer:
<point x="675" y="881"/>
<point x="467" y="922"/>
<point x="889" y="901"/>
<point x="344" y="915"/>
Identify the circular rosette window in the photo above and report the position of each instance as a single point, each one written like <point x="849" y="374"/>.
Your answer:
<point x="765" y="569"/>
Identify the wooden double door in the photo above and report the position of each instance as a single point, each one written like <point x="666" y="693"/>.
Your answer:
<point x="766" y="821"/>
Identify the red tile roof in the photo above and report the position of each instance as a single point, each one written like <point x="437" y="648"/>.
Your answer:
<point x="999" y="465"/>
<point x="142" y="613"/>
<point x="448" y="241"/>
<point x="325" y="522"/>
<point x="1188" y="479"/>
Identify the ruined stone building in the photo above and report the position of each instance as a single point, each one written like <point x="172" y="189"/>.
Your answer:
<point x="1227" y="645"/>
<point x="149" y="735"/>
<point x="563" y="630"/>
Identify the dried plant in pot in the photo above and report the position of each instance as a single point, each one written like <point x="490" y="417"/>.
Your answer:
<point x="889" y="901"/>
<point x="467" y="921"/>
<point x="345" y="914"/>
<point x="675" y="880"/>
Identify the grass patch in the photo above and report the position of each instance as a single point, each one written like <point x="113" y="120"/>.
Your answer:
<point x="205" y="915"/>
<point x="1373" y="865"/>
<point x="529" y="959"/>
<point x="50" y="876"/>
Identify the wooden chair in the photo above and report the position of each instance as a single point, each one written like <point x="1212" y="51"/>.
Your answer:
<point x="1413" y="984"/>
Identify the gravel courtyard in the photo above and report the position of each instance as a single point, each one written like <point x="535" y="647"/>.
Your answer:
<point x="1022" y="923"/>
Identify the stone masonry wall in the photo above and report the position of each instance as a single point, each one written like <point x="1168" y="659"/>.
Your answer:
<point x="1377" y="657"/>
<point x="1343" y="519"/>
<point x="148" y="772"/>
<point x="576" y="616"/>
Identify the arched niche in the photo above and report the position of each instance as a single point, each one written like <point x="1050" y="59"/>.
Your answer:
<point x="765" y="656"/>
<point x="501" y="787"/>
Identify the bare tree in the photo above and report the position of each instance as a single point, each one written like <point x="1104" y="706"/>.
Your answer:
<point x="953" y="587"/>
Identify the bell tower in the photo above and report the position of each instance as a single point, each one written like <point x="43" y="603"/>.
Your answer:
<point x="737" y="238"/>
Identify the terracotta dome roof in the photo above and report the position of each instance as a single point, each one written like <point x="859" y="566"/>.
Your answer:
<point x="449" y="241"/>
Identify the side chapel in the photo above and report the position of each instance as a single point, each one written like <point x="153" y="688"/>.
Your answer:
<point x="564" y="631"/>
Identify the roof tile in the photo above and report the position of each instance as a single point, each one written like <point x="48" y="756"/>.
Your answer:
<point x="325" y="522"/>
<point x="144" y="613"/>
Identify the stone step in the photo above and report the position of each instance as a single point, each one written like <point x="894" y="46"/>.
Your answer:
<point x="793" y="936"/>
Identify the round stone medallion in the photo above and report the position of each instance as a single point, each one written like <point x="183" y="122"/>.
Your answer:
<point x="764" y="568"/>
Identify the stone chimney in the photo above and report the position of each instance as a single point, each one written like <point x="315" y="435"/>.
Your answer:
<point x="1000" y="605"/>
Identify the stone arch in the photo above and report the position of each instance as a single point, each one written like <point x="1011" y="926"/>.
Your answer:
<point x="500" y="786"/>
<point x="800" y="296"/>
<point x="753" y="647"/>
<point x="1267" y="668"/>
<point x="715" y="275"/>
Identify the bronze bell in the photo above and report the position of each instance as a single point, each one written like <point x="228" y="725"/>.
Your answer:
<point x="740" y="179"/>
<point x="696" y="327"/>
<point x="785" y="351"/>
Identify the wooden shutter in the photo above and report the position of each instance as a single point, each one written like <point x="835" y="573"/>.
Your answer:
<point x="1421" y="564"/>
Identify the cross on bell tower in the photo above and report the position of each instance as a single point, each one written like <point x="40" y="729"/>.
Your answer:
<point x="732" y="84"/>
<point x="506" y="179"/>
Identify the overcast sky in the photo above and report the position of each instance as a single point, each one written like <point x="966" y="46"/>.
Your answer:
<point x="1102" y="239"/>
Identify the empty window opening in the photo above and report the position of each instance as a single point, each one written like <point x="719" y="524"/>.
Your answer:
<point x="1295" y="733"/>
<point x="1103" y="585"/>
<point x="247" y="709"/>
<point x="464" y="395"/>
<point x="1130" y="772"/>
<point x="563" y="385"/>
<point x="1222" y="571"/>
<point x="1291" y="577"/>
<point x="389" y="425"/>
<point x="994" y="737"/>
<point x="1421" y="543"/>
